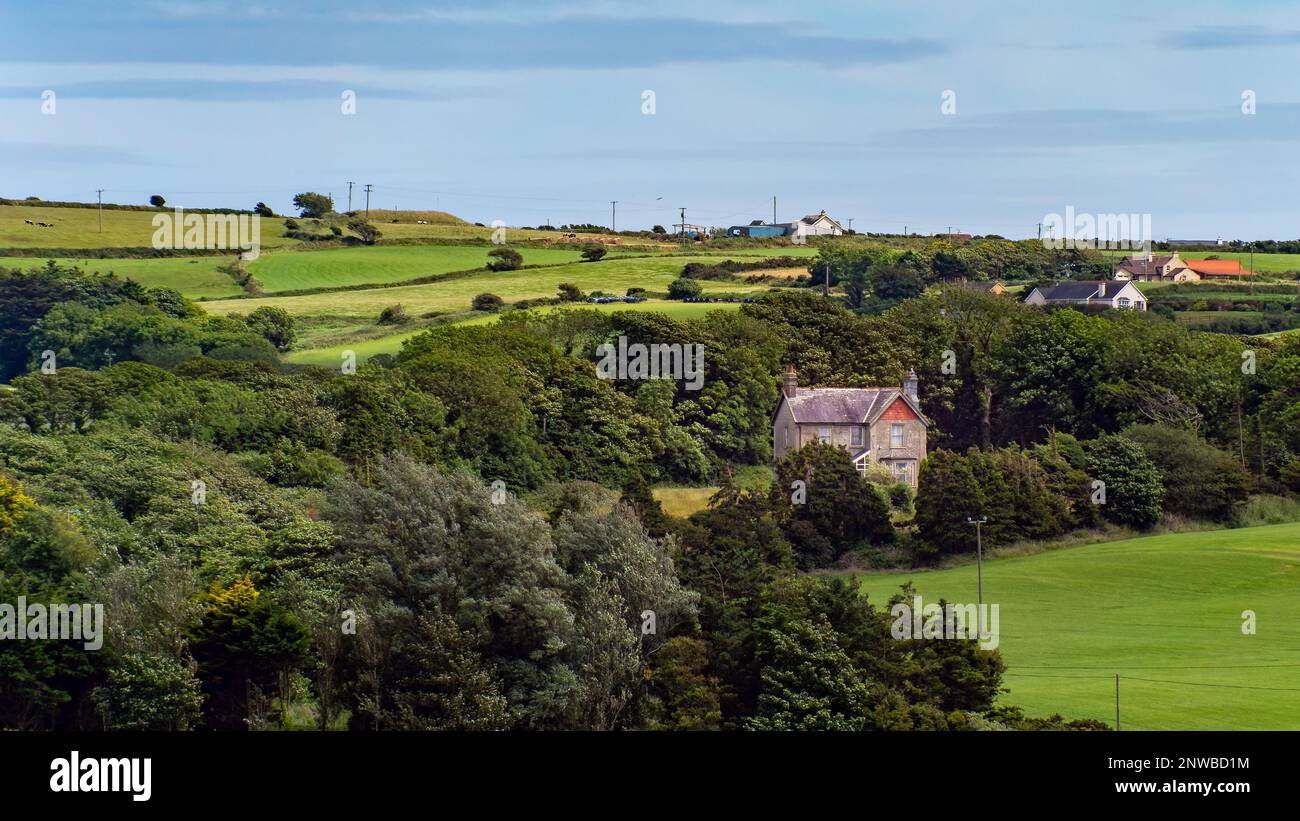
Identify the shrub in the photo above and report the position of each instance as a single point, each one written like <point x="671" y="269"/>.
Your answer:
<point x="394" y="315"/>
<point x="1134" y="489"/>
<point x="570" y="292"/>
<point x="488" y="302"/>
<point x="683" y="288"/>
<point x="593" y="252"/>
<point x="505" y="259"/>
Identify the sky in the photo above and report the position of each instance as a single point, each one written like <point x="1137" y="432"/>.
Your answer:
<point x="926" y="114"/>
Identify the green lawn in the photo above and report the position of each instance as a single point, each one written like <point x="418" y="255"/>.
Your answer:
<point x="1164" y="612"/>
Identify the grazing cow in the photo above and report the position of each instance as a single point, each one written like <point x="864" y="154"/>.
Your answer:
<point x="29" y="222"/>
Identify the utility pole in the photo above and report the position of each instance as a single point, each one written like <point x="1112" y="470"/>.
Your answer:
<point x="369" y="188"/>
<point x="1040" y="231"/>
<point x="99" y="192"/>
<point x="850" y="224"/>
<point x="613" y="213"/>
<point x="979" y="563"/>
<point x="774" y="209"/>
<point x="826" y="282"/>
<point x="683" y="226"/>
<point x="350" y="184"/>
<point x="1117" y="702"/>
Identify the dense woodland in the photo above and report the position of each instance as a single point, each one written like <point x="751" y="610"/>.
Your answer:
<point x="311" y="548"/>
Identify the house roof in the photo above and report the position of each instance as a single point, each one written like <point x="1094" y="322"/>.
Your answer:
<point x="1083" y="289"/>
<point x="984" y="286"/>
<point x="1144" y="266"/>
<point x="811" y="219"/>
<point x="845" y="406"/>
<point x="1216" y="266"/>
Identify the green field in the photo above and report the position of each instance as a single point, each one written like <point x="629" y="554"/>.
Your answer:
<point x="1163" y="612"/>
<point x="683" y="501"/>
<point x="382" y="265"/>
<point x="195" y="277"/>
<point x="1264" y="263"/>
<point x="79" y="228"/>
<point x="330" y="355"/>
<point x="613" y="276"/>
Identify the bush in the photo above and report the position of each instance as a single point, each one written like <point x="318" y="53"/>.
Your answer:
<point x="683" y="288"/>
<point x="394" y="315"/>
<point x="488" y="302"/>
<point x="504" y="259"/>
<point x="275" y="325"/>
<point x="570" y="292"/>
<point x="1200" y="481"/>
<point x="1134" y="485"/>
<point x="593" y="252"/>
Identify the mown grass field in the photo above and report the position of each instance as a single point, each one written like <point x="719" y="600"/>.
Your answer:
<point x="195" y="277"/>
<point x="1164" y="612"/>
<point x="382" y="265"/>
<point x="612" y="275"/>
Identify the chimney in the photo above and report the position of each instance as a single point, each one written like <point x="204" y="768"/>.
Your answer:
<point x="789" y="386"/>
<point x="909" y="385"/>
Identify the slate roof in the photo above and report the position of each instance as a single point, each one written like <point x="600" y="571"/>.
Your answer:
<point x="1143" y="266"/>
<point x="843" y="406"/>
<point x="1083" y="289"/>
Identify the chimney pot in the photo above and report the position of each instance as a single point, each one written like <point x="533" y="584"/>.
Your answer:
<point x="789" y="382"/>
<point x="910" y="383"/>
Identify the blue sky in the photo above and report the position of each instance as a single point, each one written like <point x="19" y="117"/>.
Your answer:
<point x="529" y="111"/>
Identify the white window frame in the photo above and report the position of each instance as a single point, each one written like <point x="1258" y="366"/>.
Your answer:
<point x="898" y="435"/>
<point x="1125" y="302"/>
<point x="826" y="434"/>
<point x="856" y="437"/>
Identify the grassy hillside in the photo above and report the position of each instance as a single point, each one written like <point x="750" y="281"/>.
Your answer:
<point x="79" y="228"/>
<point x="1164" y="612"/>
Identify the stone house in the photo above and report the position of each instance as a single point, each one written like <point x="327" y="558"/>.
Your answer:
<point x="880" y="425"/>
